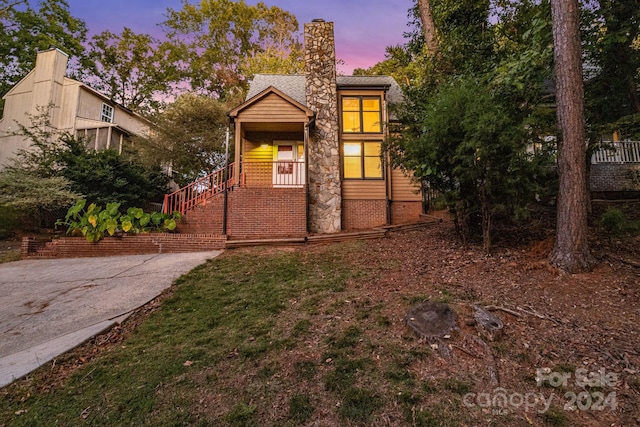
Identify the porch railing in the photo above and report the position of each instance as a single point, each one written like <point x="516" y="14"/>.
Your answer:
<point x="199" y="191"/>
<point x="618" y="152"/>
<point x="272" y="174"/>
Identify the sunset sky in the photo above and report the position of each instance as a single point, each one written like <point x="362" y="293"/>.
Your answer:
<point x="363" y="28"/>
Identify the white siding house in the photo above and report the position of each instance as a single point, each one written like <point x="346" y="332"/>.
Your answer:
<point x="74" y="107"/>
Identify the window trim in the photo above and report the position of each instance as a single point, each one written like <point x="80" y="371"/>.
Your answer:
<point x="362" y="158"/>
<point x="361" y="112"/>
<point x="108" y="112"/>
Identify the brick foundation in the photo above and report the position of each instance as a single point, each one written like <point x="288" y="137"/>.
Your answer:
<point x="253" y="213"/>
<point x="363" y="214"/>
<point x="138" y="244"/>
<point x="402" y="212"/>
<point x="256" y="213"/>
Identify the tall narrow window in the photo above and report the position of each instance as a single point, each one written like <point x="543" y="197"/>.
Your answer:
<point x="362" y="160"/>
<point x="361" y="114"/>
<point x="107" y="113"/>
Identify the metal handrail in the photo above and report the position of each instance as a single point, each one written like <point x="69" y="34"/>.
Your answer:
<point x="278" y="174"/>
<point x="199" y="191"/>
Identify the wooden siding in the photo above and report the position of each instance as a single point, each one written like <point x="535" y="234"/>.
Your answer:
<point x="90" y="107"/>
<point x="362" y="189"/>
<point x="402" y="189"/>
<point x="272" y="108"/>
<point x="257" y="153"/>
<point x="70" y="98"/>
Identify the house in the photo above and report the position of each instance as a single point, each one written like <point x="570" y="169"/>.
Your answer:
<point x="71" y="105"/>
<point x="614" y="172"/>
<point x="307" y="156"/>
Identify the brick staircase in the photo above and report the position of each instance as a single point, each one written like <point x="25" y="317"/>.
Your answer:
<point x="205" y="218"/>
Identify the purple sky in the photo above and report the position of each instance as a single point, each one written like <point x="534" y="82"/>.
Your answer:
<point x="363" y="28"/>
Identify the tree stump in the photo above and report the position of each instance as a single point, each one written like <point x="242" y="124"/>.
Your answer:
<point x="433" y="322"/>
<point x="488" y="325"/>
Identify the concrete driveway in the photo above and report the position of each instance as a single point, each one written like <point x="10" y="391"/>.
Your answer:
<point x="48" y="307"/>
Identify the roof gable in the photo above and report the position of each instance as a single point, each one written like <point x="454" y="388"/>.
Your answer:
<point x="266" y="93"/>
<point x="293" y="85"/>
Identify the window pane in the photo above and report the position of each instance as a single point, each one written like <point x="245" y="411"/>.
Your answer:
<point x="107" y="113"/>
<point x="372" y="167"/>
<point x="352" y="149"/>
<point x="371" y="122"/>
<point x="353" y="167"/>
<point x="350" y="122"/>
<point x="372" y="149"/>
<point x="371" y="104"/>
<point x="350" y="104"/>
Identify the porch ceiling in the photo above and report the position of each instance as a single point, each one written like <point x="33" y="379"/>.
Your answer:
<point x="272" y="127"/>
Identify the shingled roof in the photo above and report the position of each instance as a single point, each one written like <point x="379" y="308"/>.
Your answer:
<point x="293" y="85"/>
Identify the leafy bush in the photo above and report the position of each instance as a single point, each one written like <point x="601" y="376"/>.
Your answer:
<point x="95" y="222"/>
<point x="615" y="222"/>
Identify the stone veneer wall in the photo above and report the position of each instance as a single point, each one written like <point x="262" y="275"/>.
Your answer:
<point x="325" y="197"/>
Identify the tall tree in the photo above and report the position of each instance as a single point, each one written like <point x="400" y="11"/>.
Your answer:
<point x="612" y="49"/>
<point x="189" y="137"/>
<point x="428" y="27"/>
<point x="24" y="31"/>
<point x="216" y="41"/>
<point x="135" y="70"/>
<point x="571" y="251"/>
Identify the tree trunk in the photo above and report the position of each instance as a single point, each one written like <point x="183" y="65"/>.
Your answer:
<point x="428" y="27"/>
<point x="571" y="252"/>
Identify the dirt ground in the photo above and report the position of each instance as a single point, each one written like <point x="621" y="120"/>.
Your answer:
<point x="576" y="334"/>
<point x="570" y="341"/>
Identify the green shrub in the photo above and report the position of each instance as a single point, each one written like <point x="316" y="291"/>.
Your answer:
<point x="615" y="222"/>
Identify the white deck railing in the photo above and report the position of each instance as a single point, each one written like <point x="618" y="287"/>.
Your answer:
<point x="618" y="152"/>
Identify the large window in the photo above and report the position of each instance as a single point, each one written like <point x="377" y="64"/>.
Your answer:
<point x="107" y="113"/>
<point x="361" y="114"/>
<point x="362" y="160"/>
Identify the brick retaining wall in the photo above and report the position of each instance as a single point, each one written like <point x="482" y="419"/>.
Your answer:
<point x="138" y="244"/>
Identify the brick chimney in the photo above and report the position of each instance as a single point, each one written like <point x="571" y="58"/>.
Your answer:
<point x="325" y="199"/>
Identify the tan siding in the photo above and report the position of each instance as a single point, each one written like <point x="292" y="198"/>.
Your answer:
<point x="69" y="105"/>
<point x="402" y="189"/>
<point x="90" y="106"/>
<point x="363" y="190"/>
<point x="272" y="108"/>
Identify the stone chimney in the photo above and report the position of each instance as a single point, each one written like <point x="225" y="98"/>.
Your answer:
<point x="325" y="199"/>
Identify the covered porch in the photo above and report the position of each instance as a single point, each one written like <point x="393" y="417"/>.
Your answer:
<point x="273" y="155"/>
<point x="271" y="141"/>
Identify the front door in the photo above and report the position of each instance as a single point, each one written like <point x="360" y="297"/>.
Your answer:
<point x="288" y="164"/>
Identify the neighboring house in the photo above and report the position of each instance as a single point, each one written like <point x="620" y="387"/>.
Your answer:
<point x="307" y="156"/>
<point x="615" y="169"/>
<point x="72" y="107"/>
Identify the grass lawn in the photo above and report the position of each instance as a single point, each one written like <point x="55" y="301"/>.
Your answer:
<point x="9" y="255"/>
<point x="297" y="336"/>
